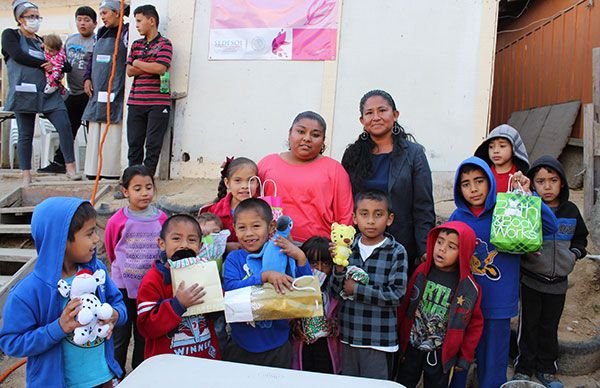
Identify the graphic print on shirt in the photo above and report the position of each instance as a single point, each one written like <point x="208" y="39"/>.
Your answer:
<point x="76" y="55"/>
<point x="431" y="317"/>
<point x="482" y="261"/>
<point x="192" y="336"/>
<point x="141" y="250"/>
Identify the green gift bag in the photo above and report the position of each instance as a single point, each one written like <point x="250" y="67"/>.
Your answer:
<point x="517" y="223"/>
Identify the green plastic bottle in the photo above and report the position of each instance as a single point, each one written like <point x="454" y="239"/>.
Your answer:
<point x="164" y="83"/>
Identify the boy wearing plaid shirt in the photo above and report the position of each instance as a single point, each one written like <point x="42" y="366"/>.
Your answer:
<point x="368" y="310"/>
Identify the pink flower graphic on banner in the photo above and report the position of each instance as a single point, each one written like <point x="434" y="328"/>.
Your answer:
<point x="278" y="42"/>
<point x="318" y="11"/>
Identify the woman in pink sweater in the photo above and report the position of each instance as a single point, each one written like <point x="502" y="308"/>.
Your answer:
<point x="316" y="189"/>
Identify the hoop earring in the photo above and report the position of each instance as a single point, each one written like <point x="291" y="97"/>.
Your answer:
<point x="364" y="135"/>
<point x="322" y="149"/>
<point x="396" y="129"/>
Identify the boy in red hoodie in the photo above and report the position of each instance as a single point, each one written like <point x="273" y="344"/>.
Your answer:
<point x="439" y="325"/>
<point x="160" y="317"/>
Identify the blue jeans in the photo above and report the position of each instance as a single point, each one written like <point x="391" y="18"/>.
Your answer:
<point x="26" y="123"/>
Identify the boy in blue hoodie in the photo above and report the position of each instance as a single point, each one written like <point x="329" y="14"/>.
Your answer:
<point x="496" y="273"/>
<point x="39" y="321"/>
<point x="264" y="342"/>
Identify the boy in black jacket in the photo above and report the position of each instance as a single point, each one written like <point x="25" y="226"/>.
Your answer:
<point x="544" y="275"/>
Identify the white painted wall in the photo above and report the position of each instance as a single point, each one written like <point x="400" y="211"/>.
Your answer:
<point x="435" y="58"/>
<point x="59" y="15"/>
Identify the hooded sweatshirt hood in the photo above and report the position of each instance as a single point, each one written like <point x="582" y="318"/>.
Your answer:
<point x="459" y="199"/>
<point x="466" y="238"/>
<point x="505" y="131"/>
<point x="49" y="227"/>
<point x="554" y="164"/>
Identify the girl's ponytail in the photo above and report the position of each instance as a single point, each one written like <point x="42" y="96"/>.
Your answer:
<point x="222" y="189"/>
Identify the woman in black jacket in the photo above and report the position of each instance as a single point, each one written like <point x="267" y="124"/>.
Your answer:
<point x="385" y="157"/>
<point x="25" y="62"/>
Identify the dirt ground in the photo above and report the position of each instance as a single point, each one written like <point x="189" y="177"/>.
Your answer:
<point x="580" y="321"/>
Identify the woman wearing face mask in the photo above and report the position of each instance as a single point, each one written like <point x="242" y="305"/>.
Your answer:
<point x="25" y="63"/>
<point x="96" y="87"/>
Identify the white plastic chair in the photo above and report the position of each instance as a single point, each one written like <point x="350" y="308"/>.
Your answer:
<point x="50" y="141"/>
<point x="14" y="138"/>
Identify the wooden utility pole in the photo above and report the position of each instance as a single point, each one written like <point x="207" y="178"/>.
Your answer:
<point x="591" y="136"/>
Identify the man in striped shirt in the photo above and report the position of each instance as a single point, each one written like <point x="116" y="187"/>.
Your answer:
<point x="149" y="108"/>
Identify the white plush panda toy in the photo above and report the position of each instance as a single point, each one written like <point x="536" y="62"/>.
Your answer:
<point x="84" y="287"/>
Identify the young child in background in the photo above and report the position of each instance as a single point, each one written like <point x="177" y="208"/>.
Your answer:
<point x="130" y="239"/>
<point x="440" y="323"/>
<point x="214" y="242"/>
<point x="496" y="273"/>
<point x="368" y="320"/>
<point x="39" y="321"/>
<point x="234" y="187"/>
<point x="160" y="313"/>
<point x="209" y="223"/>
<point x="263" y="342"/>
<point x="55" y="54"/>
<point x="317" y="347"/>
<point x="504" y="151"/>
<point x="544" y="276"/>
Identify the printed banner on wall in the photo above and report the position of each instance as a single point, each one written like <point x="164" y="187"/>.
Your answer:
<point x="297" y="30"/>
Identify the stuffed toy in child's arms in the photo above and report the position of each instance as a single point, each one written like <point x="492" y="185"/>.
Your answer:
<point x="84" y="287"/>
<point x="343" y="237"/>
<point x="272" y="257"/>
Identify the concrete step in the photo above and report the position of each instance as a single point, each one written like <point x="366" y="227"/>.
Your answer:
<point x="4" y="279"/>
<point x="15" y="229"/>
<point x="17" y="210"/>
<point x="17" y="255"/>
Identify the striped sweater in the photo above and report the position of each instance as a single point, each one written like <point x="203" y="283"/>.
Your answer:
<point x="146" y="87"/>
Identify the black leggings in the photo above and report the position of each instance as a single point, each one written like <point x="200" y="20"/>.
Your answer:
<point x="26" y="123"/>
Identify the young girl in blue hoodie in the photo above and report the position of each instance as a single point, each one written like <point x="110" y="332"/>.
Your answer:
<point x="39" y="322"/>
<point x="496" y="273"/>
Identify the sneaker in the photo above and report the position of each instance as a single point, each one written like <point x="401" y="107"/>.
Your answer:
<point x="521" y="377"/>
<point x="73" y="176"/>
<point x="549" y="380"/>
<point x="52" y="168"/>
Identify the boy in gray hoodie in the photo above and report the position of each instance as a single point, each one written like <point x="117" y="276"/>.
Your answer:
<point x="544" y="276"/>
<point x="504" y="151"/>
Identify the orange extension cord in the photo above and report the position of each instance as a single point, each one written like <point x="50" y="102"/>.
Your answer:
<point x="12" y="369"/>
<point x="93" y="199"/>
<point x="110" y="83"/>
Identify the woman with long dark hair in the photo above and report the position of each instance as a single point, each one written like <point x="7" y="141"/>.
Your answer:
<point x="385" y="157"/>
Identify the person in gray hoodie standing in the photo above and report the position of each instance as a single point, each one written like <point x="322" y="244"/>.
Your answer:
<point x="544" y="276"/>
<point x="504" y="151"/>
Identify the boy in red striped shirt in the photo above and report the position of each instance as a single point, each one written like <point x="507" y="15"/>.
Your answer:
<point x="149" y="108"/>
